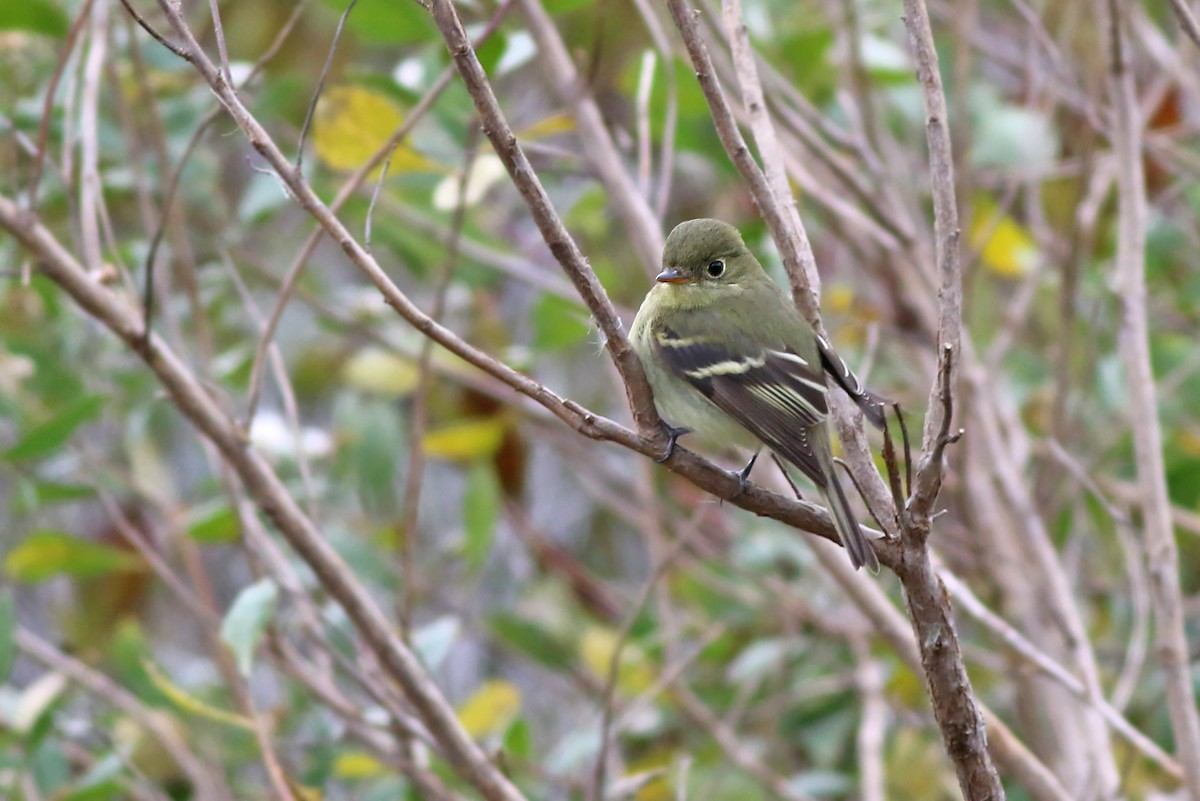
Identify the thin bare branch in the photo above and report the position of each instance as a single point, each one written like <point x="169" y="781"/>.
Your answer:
<point x="641" y="225"/>
<point x="1162" y="557"/>
<point x="797" y="261"/>
<point x="316" y="95"/>
<point x="207" y="780"/>
<point x="1187" y="20"/>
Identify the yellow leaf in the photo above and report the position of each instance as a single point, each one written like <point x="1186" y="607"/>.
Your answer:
<point x="634" y="672"/>
<point x="379" y="372"/>
<point x="839" y="298"/>
<point x="357" y="765"/>
<point x="1004" y="246"/>
<point x="144" y="748"/>
<point x="470" y="439"/>
<point x="1189" y="441"/>
<point x="351" y="124"/>
<point x="652" y="770"/>
<point x="303" y="792"/>
<point x="491" y="709"/>
<point x="550" y="126"/>
<point x="188" y="703"/>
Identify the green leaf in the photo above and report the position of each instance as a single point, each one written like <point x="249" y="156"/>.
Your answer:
<point x="49" y="767"/>
<point x="247" y="619"/>
<point x="34" y="16"/>
<point x="98" y="791"/>
<point x="386" y="21"/>
<point x="558" y="323"/>
<point x="45" y="554"/>
<point x="8" y="634"/>
<point x="481" y="505"/>
<point x="46" y="438"/>
<point x="531" y="639"/>
<point x="100" y="783"/>
<point x="378" y="437"/>
<point x="518" y="740"/>
<point x="212" y="524"/>
<point x="48" y="492"/>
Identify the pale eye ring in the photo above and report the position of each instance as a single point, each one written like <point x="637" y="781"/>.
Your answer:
<point x="716" y="268"/>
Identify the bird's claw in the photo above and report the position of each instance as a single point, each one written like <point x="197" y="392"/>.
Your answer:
<point x="743" y="475"/>
<point x="673" y="434"/>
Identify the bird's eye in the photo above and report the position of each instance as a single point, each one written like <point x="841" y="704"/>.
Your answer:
<point x="716" y="268"/>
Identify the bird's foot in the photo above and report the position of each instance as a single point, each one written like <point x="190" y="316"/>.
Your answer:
<point x="743" y="475"/>
<point x="673" y="434"/>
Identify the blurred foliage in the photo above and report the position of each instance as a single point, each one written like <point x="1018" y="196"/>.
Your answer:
<point x="531" y="546"/>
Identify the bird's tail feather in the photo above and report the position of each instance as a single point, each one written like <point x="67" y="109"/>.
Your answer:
<point x="856" y="545"/>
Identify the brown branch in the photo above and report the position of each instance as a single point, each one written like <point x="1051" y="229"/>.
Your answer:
<point x="1187" y="20"/>
<point x="945" y="213"/>
<point x="270" y="495"/>
<point x="641" y="224"/>
<point x="1162" y="557"/>
<point x="205" y="779"/>
<point x="39" y="159"/>
<point x="959" y="716"/>
<point x="1006" y="748"/>
<point x="796" y="262"/>
<point x="554" y="233"/>
<point x="782" y="204"/>
<point x="1020" y="645"/>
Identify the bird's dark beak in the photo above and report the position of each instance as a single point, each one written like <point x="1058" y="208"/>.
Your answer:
<point x="671" y="275"/>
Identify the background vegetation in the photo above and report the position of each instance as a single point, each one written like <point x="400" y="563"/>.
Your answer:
<point x="600" y="626"/>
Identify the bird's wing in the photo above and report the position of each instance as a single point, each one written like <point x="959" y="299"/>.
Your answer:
<point x="872" y="405"/>
<point x="776" y="394"/>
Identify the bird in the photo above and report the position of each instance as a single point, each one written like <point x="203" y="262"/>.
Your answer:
<point x="730" y="359"/>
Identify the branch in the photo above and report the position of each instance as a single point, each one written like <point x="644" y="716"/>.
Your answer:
<point x="945" y="217"/>
<point x="555" y="234"/>
<point x="1162" y="556"/>
<point x="641" y="224"/>
<point x="780" y="200"/>
<point x="205" y="779"/>
<point x="796" y="261"/>
<point x="1187" y="20"/>
<point x="958" y="714"/>
<point x="270" y="495"/>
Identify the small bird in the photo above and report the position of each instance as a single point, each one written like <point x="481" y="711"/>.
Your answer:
<point x="731" y="359"/>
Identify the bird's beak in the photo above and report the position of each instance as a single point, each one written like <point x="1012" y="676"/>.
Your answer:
<point x="671" y="275"/>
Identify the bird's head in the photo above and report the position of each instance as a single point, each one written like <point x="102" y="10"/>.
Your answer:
<point x="702" y="255"/>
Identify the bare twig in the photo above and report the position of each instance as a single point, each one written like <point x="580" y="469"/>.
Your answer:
<point x="39" y="159"/>
<point x="641" y="225"/>
<point x="1021" y="646"/>
<point x="798" y="262"/>
<point x="549" y="223"/>
<point x="1162" y="557"/>
<point x="945" y="214"/>
<point x="316" y="95"/>
<point x="872" y="731"/>
<point x="158" y="37"/>
<point x="214" y="8"/>
<point x="90" y="190"/>
<point x="414" y="478"/>
<point x="1187" y="20"/>
<point x="769" y="150"/>
<point x="209" y="786"/>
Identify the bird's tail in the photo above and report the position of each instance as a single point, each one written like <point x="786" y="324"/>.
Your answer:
<point x="856" y="545"/>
